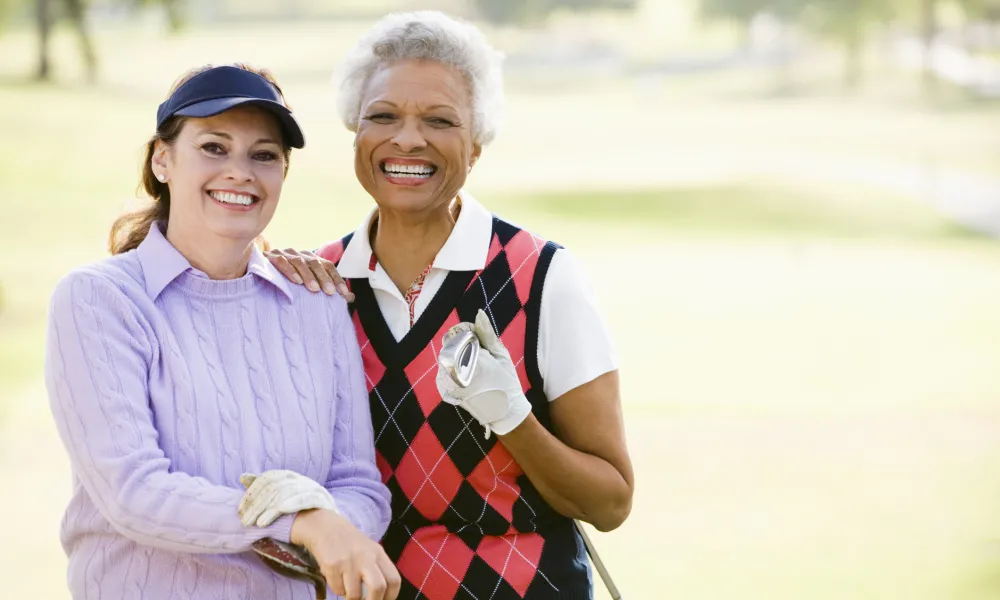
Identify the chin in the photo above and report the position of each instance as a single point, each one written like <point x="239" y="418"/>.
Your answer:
<point x="234" y="230"/>
<point x="408" y="200"/>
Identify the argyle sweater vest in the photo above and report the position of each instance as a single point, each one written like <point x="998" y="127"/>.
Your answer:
<point x="466" y="522"/>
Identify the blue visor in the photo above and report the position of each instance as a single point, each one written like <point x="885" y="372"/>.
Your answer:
<point x="222" y="88"/>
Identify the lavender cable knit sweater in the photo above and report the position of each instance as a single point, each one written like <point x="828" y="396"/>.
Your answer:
<point x="166" y="386"/>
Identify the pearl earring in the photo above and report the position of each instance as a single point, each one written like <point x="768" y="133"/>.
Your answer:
<point x="161" y="177"/>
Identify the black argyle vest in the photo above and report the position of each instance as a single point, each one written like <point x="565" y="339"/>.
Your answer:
<point x="466" y="521"/>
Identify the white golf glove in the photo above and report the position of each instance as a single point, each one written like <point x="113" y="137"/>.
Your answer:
<point x="494" y="396"/>
<point x="276" y="493"/>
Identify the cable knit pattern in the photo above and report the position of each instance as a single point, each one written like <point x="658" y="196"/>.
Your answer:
<point x="165" y="386"/>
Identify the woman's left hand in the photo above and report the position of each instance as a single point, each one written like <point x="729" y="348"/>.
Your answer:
<point x="494" y="396"/>
<point x="306" y="268"/>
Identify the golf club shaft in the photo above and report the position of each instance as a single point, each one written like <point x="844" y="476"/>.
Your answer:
<point x="598" y="563"/>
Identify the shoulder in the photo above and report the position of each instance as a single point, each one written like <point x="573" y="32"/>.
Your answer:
<point x="334" y="250"/>
<point x="315" y="305"/>
<point x="566" y="280"/>
<point x="117" y="280"/>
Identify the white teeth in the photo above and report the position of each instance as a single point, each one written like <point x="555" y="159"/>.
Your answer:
<point x="410" y="175"/>
<point x="395" y="168"/>
<point x="230" y="198"/>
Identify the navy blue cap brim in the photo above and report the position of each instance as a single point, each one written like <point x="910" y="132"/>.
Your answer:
<point x="215" y="106"/>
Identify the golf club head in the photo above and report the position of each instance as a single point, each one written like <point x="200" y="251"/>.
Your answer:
<point x="460" y="353"/>
<point x="291" y="561"/>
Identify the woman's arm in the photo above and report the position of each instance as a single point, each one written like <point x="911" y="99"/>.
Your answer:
<point x="97" y="358"/>
<point x="354" y="480"/>
<point x="583" y="471"/>
<point x="582" y="467"/>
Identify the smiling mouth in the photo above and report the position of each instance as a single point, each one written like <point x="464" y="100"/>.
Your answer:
<point x="415" y="172"/>
<point x="234" y="198"/>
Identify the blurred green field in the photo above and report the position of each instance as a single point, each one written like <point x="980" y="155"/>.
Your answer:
<point x="809" y="367"/>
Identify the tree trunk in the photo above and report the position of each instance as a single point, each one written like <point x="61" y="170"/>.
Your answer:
<point x="928" y="17"/>
<point x="43" y="20"/>
<point x="853" y="47"/>
<point x="175" y="14"/>
<point x="76" y="12"/>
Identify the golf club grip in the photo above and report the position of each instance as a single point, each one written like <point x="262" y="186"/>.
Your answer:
<point x="598" y="563"/>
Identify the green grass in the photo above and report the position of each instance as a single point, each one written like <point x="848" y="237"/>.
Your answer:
<point x="809" y="365"/>
<point x="755" y="209"/>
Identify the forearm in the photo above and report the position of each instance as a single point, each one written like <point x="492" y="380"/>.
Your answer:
<point x="146" y="503"/>
<point x="576" y="484"/>
<point x="354" y="480"/>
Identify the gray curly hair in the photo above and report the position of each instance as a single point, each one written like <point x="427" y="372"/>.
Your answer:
<point x="427" y="35"/>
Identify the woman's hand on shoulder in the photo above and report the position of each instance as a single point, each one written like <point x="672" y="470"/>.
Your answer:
<point x="306" y="268"/>
<point x="354" y="566"/>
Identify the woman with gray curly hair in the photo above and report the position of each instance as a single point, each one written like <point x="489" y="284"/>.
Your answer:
<point x="473" y="516"/>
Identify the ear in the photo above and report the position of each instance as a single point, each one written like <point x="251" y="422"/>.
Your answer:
<point x="477" y="151"/>
<point x="160" y="158"/>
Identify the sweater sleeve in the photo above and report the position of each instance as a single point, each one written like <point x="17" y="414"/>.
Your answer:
<point x="97" y="363"/>
<point x="354" y="480"/>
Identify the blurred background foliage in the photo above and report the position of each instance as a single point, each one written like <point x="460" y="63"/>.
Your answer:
<point x="788" y="208"/>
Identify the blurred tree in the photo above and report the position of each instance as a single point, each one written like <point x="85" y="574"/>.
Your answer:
<point x="928" y="31"/>
<point x="75" y="11"/>
<point x="173" y="9"/>
<point x="531" y="11"/>
<point x="6" y="7"/>
<point x="743" y="13"/>
<point x="45" y="19"/>
<point x="847" y="22"/>
<point x="985" y="10"/>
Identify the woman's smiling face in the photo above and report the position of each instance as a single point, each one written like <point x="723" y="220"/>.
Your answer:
<point x="414" y="145"/>
<point x="225" y="173"/>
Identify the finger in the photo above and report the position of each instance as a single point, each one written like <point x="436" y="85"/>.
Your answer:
<point x="484" y="331"/>
<point x="318" y="269"/>
<point x="374" y="583"/>
<point x="246" y="480"/>
<point x="352" y="585"/>
<point x="393" y="582"/>
<point x="342" y="288"/>
<point x="280" y="262"/>
<point x="488" y="336"/>
<point x="305" y="273"/>
<point x="335" y="580"/>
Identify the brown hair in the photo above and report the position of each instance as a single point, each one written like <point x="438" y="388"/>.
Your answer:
<point x="130" y="229"/>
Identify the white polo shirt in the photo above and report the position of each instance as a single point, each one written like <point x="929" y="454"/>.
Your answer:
<point x="574" y="345"/>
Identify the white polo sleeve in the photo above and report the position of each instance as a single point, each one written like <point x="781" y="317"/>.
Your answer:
<point x="574" y="344"/>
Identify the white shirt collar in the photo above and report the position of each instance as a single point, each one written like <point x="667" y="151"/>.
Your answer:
<point x="466" y="249"/>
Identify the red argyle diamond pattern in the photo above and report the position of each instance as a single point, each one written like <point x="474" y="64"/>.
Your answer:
<point x="464" y="516"/>
<point x="427" y="476"/>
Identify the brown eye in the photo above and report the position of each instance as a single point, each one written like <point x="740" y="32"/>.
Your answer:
<point x="381" y="118"/>
<point x="213" y="148"/>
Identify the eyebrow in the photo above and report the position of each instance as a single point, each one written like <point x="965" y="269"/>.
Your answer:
<point x="436" y="106"/>
<point x="223" y="134"/>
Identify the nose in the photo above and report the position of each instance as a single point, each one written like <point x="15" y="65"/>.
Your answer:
<point x="408" y="137"/>
<point x="240" y="170"/>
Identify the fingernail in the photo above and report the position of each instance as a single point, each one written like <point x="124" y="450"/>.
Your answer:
<point x="297" y="278"/>
<point x="329" y="289"/>
<point x="349" y="297"/>
<point x="313" y="286"/>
